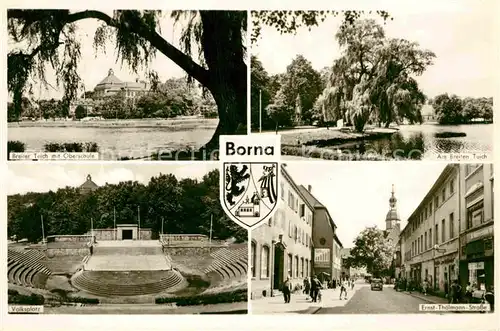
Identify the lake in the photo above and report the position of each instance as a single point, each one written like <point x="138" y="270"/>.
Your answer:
<point x="419" y="141"/>
<point x="116" y="142"/>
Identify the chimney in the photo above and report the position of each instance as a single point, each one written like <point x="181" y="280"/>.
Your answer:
<point x="309" y="188"/>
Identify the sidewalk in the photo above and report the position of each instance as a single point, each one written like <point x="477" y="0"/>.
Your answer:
<point x="428" y="298"/>
<point x="298" y="303"/>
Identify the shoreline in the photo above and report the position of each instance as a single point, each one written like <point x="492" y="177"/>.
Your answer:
<point x="202" y="123"/>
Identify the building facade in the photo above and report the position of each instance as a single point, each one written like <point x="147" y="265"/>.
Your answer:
<point x="111" y="85"/>
<point x="327" y="246"/>
<point x="476" y="226"/>
<point x="429" y="243"/>
<point x="283" y="246"/>
<point x="88" y="186"/>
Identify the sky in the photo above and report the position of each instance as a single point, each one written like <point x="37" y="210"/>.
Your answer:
<point x="357" y="193"/>
<point x="43" y="177"/>
<point x="93" y="67"/>
<point x="463" y="37"/>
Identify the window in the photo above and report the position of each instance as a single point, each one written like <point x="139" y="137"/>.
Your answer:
<point x="452" y="225"/>
<point x="295" y="234"/>
<point x="253" y="258"/>
<point x="290" y="200"/>
<point x="282" y="187"/>
<point x="296" y="266"/>
<point x="443" y="231"/>
<point x="443" y="195"/>
<point x="430" y="238"/>
<point x="307" y="267"/>
<point x="425" y="213"/>
<point x="301" y="267"/>
<point x="302" y="210"/>
<point x="412" y="249"/>
<point x="418" y="245"/>
<point x="436" y="235"/>
<point x="475" y="215"/>
<point x="436" y="202"/>
<point x="270" y="222"/>
<point x="307" y="240"/>
<point x="452" y="186"/>
<point x="289" y="265"/>
<point x="425" y="241"/>
<point x="421" y="243"/>
<point x="264" y="262"/>
<point x="290" y="229"/>
<point x="430" y="208"/>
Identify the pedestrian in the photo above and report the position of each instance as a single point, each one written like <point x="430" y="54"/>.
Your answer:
<point x="424" y="287"/>
<point x="307" y="287"/>
<point x="455" y="292"/>
<point x="468" y="292"/>
<point x="343" y="289"/>
<point x="315" y="287"/>
<point x="334" y="284"/>
<point x="352" y="284"/>
<point x="287" y="290"/>
<point x="446" y="290"/>
<point x="489" y="297"/>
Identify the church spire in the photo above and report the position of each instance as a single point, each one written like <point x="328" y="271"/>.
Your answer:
<point x="392" y="217"/>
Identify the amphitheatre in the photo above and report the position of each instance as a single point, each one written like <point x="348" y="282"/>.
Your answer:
<point x="124" y="270"/>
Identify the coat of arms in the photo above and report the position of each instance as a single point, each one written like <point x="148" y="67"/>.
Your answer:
<point x="249" y="191"/>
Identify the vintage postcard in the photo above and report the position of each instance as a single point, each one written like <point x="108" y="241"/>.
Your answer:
<point x="124" y="84"/>
<point x="395" y="84"/>
<point x="122" y="239"/>
<point x="416" y="238"/>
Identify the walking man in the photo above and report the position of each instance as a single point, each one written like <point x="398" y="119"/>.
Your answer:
<point x="287" y="290"/>
<point x="343" y="289"/>
<point x="315" y="286"/>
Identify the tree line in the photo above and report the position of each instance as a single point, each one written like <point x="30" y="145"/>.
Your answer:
<point x="371" y="83"/>
<point x="173" y="98"/>
<point x="455" y="110"/>
<point x="184" y="206"/>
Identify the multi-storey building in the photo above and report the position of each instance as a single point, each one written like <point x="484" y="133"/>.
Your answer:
<point x="429" y="243"/>
<point x="476" y="226"/>
<point x="327" y="246"/>
<point x="112" y="85"/>
<point x="283" y="246"/>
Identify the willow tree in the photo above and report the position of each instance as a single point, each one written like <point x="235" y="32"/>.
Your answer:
<point x="373" y="80"/>
<point x="44" y="37"/>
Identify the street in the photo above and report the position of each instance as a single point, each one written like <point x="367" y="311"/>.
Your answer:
<point x="366" y="301"/>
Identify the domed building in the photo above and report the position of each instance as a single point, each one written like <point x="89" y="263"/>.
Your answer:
<point x="88" y="186"/>
<point x="112" y="85"/>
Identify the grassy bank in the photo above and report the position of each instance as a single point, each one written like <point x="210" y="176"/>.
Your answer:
<point x="171" y="124"/>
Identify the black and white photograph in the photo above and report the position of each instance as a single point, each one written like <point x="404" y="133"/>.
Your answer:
<point x="347" y="241"/>
<point x="125" y="84"/>
<point x="401" y="83"/>
<point x="116" y="239"/>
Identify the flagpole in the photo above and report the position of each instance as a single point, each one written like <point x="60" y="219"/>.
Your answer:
<point x="139" y="218"/>
<point x="43" y="231"/>
<point x="91" y="230"/>
<point x="114" y="221"/>
<point x="260" y="110"/>
<point x="211" y="221"/>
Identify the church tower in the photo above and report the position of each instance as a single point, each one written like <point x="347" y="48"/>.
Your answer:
<point x="392" y="219"/>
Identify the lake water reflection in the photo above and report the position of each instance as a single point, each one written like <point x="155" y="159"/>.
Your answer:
<point x="114" y="143"/>
<point x="419" y="142"/>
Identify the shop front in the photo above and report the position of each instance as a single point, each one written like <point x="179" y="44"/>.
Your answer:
<point x="478" y="265"/>
<point x="445" y="271"/>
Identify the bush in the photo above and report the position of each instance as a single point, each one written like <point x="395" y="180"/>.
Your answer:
<point x="92" y="301"/>
<point x="12" y="292"/>
<point x="207" y="299"/>
<point x="14" y="146"/>
<point x="89" y="147"/>
<point x="33" y="299"/>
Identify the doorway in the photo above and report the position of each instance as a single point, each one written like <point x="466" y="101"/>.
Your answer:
<point x="279" y="266"/>
<point x="127" y="234"/>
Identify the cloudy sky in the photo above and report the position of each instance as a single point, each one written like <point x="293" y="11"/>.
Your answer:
<point x="357" y="193"/>
<point x="94" y="67"/>
<point x="462" y="34"/>
<point x="42" y="177"/>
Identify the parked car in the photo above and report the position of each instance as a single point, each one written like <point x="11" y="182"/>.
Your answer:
<point x="377" y="283"/>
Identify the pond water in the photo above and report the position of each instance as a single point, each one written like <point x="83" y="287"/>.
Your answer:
<point x="419" y="142"/>
<point x="114" y="143"/>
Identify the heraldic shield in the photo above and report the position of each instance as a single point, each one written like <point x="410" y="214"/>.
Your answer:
<point x="249" y="191"/>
